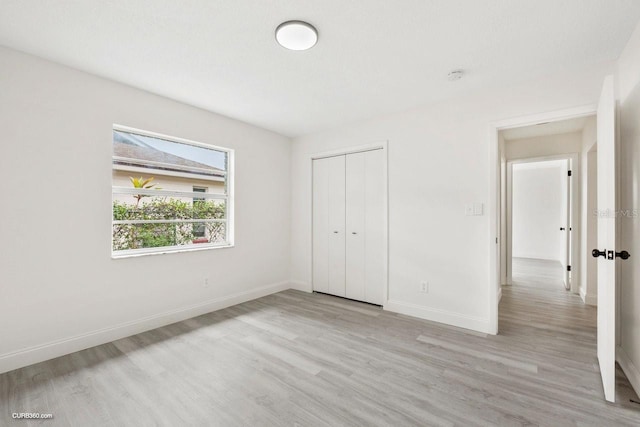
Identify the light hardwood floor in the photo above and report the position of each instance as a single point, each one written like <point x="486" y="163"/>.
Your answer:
<point x="307" y="359"/>
<point x="538" y="273"/>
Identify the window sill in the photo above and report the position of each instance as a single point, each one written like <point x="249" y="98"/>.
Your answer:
<point x="164" y="251"/>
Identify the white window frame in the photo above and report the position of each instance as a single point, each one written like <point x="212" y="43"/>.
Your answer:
<point x="199" y="189"/>
<point x="228" y="197"/>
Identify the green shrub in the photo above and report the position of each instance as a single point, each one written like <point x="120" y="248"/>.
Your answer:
<point x="133" y="236"/>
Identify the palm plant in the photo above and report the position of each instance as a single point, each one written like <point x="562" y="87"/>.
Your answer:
<point x="143" y="184"/>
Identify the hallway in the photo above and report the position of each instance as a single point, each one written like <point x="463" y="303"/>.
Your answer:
<point x="538" y="273"/>
<point x="539" y="315"/>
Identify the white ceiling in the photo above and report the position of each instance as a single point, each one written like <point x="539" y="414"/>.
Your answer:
<point x="545" y="129"/>
<point x="373" y="57"/>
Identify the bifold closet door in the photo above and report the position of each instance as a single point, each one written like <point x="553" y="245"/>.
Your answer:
<point x="365" y="225"/>
<point x="329" y="225"/>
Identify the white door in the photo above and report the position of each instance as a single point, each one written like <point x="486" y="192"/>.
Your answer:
<point x="606" y="202"/>
<point x="565" y="227"/>
<point x="329" y="225"/>
<point x="356" y="239"/>
<point x="365" y="225"/>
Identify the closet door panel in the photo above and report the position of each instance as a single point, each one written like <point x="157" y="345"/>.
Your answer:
<point x="355" y="226"/>
<point x="374" y="227"/>
<point x="349" y="226"/>
<point x="320" y="275"/>
<point x="336" y="215"/>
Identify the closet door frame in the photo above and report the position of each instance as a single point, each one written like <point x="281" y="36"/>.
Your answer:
<point x="379" y="145"/>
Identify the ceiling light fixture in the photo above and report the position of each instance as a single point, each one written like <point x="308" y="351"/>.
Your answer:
<point x="296" y="35"/>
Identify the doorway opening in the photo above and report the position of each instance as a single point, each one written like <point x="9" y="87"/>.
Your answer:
<point x="543" y="216"/>
<point x="539" y="223"/>
<point x="540" y="137"/>
<point x="547" y="184"/>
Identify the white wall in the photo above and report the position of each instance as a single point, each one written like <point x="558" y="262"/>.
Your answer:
<point x="543" y="146"/>
<point x="589" y="236"/>
<point x="538" y="195"/>
<point x="438" y="162"/>
<point x="629" y="200"/>
<point x="60" y="290"/>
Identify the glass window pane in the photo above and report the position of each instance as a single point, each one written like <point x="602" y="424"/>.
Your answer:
<point x="140" y="236"/>
<point x="127" y="207"/>
<point x="172" y="165"/>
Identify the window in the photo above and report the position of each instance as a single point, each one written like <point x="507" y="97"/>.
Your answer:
<point x="169" y="194"/>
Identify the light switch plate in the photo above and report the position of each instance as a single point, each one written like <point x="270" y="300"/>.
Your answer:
<point x="478" y="209"/>
<point x="468" y="209"/>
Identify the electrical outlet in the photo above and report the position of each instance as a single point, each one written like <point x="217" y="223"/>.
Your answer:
<point x="424" y="287"/>
<point x="205" y="283"/>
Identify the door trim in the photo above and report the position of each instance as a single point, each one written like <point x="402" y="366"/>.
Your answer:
<point x="494" y="191"/>
<point x="377" y="145"/>
<point x="352" y="150"/>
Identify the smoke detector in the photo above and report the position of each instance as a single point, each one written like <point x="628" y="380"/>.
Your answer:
<point x="455" y="75"/>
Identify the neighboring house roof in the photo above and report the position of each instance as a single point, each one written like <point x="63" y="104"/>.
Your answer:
<point x="131" y="151"/>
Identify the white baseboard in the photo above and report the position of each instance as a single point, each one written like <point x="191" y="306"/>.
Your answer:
<point x="300" y="286"/>
<point x="441" y="316"/>
<point x="630" y="370"/>
<point x="588" y="299"/>
<point x="50" y="350"/>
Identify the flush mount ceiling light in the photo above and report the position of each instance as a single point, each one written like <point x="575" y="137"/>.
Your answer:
<point x="296" y="35"/>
